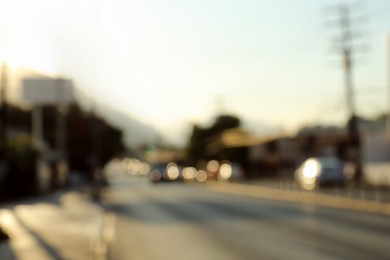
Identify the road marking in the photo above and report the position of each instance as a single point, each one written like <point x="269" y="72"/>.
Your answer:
<point x="303" y="197"/>
<point x="107" y="233"/>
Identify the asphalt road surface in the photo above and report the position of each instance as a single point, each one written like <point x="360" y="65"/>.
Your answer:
<point x="181" y="221"/>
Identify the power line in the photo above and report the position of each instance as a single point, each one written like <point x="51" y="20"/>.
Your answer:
<point x="344" y="43"/>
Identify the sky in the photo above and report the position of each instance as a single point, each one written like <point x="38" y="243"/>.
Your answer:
<point x="172" y="63"/>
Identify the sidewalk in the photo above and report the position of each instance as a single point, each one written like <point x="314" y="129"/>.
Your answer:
<point x="62" y="225"/>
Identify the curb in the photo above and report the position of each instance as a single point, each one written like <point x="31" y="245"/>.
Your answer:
<point x="303" y="197"/>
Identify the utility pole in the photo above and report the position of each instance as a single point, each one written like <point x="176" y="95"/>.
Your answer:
<point x="3" y="108"/>
<point x="61" y="125"/>
<point x="388" y="78"/>
<point x="95" y="141"/>
<point x="345" y="47"/>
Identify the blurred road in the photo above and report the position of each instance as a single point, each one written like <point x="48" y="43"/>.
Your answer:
<point x="179" y="221"/>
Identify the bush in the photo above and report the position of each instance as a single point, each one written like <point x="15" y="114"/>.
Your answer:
<point x="21" y="155"/>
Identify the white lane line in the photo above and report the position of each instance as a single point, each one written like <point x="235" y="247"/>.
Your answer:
<point x="107" y="233"/>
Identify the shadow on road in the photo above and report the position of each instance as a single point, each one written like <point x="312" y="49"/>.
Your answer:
<point x="6" y="251"/>
<point x="50" y="250"/>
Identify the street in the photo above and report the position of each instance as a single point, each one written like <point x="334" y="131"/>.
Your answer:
<point x="137" y="219"/>
<point x="179" y="221"/>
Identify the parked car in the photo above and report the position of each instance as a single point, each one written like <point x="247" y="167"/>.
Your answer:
<point x="230" y="171"/>
<point x="320" y="171"/>
<point x="157" y="173"/>
<point x="165" y="173"/>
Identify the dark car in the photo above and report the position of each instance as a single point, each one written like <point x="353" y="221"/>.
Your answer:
<point x="165" y="173"/>
<point x="320" y="171"/>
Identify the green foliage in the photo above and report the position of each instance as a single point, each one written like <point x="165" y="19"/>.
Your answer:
<point x="80" y="136"/>
<point x="21" y="156"/>
<point x="88" y="137"/>
<point x="201" y="137"/>
<point x="224" y="122"/>
<point x="22" y="151"/>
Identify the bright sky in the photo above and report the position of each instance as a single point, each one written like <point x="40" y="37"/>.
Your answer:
<point x="167" y="62"/>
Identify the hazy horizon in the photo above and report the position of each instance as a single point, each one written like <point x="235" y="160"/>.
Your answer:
<point x="175" y="63"/>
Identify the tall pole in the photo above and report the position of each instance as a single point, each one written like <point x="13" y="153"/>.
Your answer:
<point x="61" y="131"/>
<point x="3" y="108"/>
<point x="346" y="49"/>
<point x="347" y="55"/>
<point x="37" y="126"/>
<point x="388" y="78"/>
<point x="354" y="145"/>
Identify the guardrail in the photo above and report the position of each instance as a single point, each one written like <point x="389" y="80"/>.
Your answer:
<point x="362" y="192"/>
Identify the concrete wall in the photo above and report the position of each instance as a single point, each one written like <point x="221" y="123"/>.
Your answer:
<point x="376" y="158"/>
<point x="377" y="174"/>
<point x="376" y="147"/>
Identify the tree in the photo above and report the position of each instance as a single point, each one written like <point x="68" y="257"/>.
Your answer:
<point x="81" y="139"/>
<point x="201" y="136"/>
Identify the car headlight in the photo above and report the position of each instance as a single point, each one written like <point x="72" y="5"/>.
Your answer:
<point x="311" y="169"/>
<point x="173" y="171"/>
<point x="225" y="171"/>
